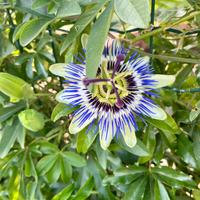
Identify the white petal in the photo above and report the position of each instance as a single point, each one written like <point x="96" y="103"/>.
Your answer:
<point x="127" y="127"/>
<point x="83" y="118"/>
<point x="107" y="130"/>
<point x="153" y="111"/>
<point x="58" y="69"/>
<point x="59" y="97"/>
<point x="72" y="72"/>
<point x="158" y="113"/>
<point x="65" y="96"/>
<point x="163" y="80"/>
<point x="105" y="142"/>
<point x="137" y="63"/>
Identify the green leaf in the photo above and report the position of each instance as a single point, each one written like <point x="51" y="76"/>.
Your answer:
<point x="68" y="8"/>
<point x="132" y="170"/>
<point x="7" y="112"/>
<point x="86" y="138"/>
<point x="168" y="127"/>
<point x="30" y="167"/>
<point x="32" y="120"/>
<point x="41" y="71"/>
<point x="21" y="136"/>
<point x="139" y="149"/>
<point x="185" y="150"/>
<point x="47" y="147"/>
<point x="15" y="87"/>
<point x="74" y="159"/>
<point x="45" y="164"/>
<point x="61" y="110"/>
<point x="9" y="135"/>
<point x="196" y="147"/>
<point x="160" y="193"/>
<point x="39" y="3"/>
<point x="182" y="75"/>
<point x="6" y="47"/>
<point x="98" y="37"/>
<point x="150" y="141"/>
<point x="136" y="189"/>
<point x="31" y="30"/>
<point x="31" y="190"/>
<point x="196" y="194"/>
<point x="29" y="68"/>
<point x="94" y="168"/>
<point x="17" y="32"/>
<point x="194" y="3"/>
<point x="195" y="112"/>
<point x="65" y="193"/>
<point x="66" y="170"/>
<point x="134" y="12"/>
<point x="81" y="24"/>
<point x="54" y="172"/>
<point x="173" y="177"/>
<point x="125" y="175"/>
<point x="85" y="190"/>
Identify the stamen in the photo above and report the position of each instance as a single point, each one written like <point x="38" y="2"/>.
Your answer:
<point x="120" y="58"/>
<point x="87" y="81"/>
<point x="119" y="103"/>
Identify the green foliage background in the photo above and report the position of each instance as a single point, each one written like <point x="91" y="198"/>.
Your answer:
<point x="39" y="159"/>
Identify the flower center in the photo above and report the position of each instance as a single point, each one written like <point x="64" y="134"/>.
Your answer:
<point x="111" y="92"/>
<point x="110" y="85"/>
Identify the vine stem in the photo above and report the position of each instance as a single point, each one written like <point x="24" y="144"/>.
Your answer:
<point x="161" y="29"/>
<point x="151" y="45"/>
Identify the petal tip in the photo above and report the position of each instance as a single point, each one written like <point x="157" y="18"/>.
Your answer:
<point x="105" y="142"/>
<point x="131" y="143"/>
<point x="73" y="129"/>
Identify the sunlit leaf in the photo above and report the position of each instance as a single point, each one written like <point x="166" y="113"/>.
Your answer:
<point x="31" y="29"/>
<point x="74" y="159"/>
<point x="85" y="190"/>
<point x="68" y="8"/>
<point x="65" y="193"/>
<point x="174" y="177"/>
<point x="15" y="87"/>
<point x="136" y="13"/>
<point x="61" y="110"/>
<point x="31" y="119"/>
<point x="80" y="24"/>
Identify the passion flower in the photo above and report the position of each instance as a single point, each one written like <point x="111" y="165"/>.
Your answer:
<point x="119" y="93"/>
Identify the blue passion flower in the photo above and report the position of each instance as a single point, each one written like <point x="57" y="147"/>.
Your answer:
<point x="120" y="92"/>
